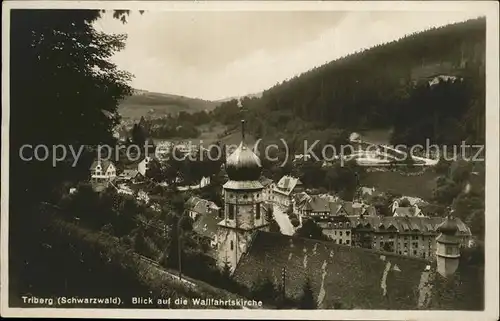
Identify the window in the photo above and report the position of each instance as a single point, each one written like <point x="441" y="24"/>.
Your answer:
<point x="231" y="212"/>
<point x="340" y="233"/>
<point x="414" y="252"/>
<point x="340" y="225"/>
<point x="340" y="241"/>
<point x="348" y="233"/>
<point x="346" y="224"/>
<point x="334" y="232"/>
<point x="406" y="245"/>
<point x="257" y="211"/>
<point x="381" y="244"/>
<point x="347" y="242"/>
<point x="232" y="245"/>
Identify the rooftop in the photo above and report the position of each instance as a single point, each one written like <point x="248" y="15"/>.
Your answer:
<point x="339" y="274"/>
<point x="287" y="184"/>
<point x="206" y="225"/>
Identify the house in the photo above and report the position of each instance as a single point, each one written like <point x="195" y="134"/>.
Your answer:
<point x="206" y="226"/>
<point x="367" y="193"/>
<point x="412" y="210"/>
<point x="199" y="207"/>
<point x="299" y="201"/>
<point x="267" y="192"/>
<point x="356" y="209"/>
<point x="314" y="206"/>
<point x="411" y="236"/>
<point x="337" y="228"/>
<point x="130" y="175"/>
<point x="145" y="164"/>
<point x="102" y="170"/>
<point x="205" y="181"/>
<point x="285" y="189"/>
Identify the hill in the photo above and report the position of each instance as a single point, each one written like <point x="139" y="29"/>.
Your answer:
<point x="409" y="85"/>
<point x="153" y="104"/>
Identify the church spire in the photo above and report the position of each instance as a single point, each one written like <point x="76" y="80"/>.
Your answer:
<point x="243" y="131"/>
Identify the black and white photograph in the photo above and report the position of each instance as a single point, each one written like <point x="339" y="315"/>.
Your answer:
<point x="286" y="160"/>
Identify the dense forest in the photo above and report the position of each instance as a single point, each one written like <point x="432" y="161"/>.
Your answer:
<point x="388" y="86"/>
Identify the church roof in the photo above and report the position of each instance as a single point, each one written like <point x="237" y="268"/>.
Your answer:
<point x="243" y="164"/>
<point x="352" y="277"/>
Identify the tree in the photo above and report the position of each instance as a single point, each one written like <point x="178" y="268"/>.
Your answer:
<point x="264" y="289"/>
<point x="404" y="203"/>
<point x="138" y="135"/>
<point x="306" y="300"/>
<point x="382" y="204"/>
<point x="310" y="229"/>
<point x="60" y="62"/>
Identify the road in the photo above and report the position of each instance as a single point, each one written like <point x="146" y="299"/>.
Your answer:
<point x="283" y="220"/>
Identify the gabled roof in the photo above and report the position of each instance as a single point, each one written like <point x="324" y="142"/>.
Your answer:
<point x="104" y="164"/>
<point x="206" y="225"/>
<point x="200" y="205"/>
<point x="301" y="199"/>
<point x="129" y="173"/>
<point x="405" y="211"/>
<point x="406" y="224"/>
<point x="287" y="184"/>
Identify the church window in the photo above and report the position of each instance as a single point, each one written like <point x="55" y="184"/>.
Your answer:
<point x="257" y="211"/>
<point x="231" y="212"/>
<point x="232" y="245"/>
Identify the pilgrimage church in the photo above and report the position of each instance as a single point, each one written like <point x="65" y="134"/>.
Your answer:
<point x="341" y="276"/>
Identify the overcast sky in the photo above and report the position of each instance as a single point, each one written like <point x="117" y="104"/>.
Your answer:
<point x="215" y="55"/>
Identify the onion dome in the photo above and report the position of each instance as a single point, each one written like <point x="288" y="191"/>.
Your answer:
<point x="243" y="165"/>
<point x="448" y="227"/>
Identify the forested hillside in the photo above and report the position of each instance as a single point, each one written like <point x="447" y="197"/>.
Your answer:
<point x="388" y="86"/>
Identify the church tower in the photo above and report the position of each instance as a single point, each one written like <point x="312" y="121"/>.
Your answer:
<point x="447" y="247"/>
<point x="243" y="213"/>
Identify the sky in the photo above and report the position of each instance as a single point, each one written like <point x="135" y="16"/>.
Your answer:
<point x="215" y="55"/>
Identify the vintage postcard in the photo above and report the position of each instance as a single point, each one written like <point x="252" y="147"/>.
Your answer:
<point x="250" y="160"/>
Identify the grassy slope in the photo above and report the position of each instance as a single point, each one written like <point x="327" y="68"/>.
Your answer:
<point x="144" y="103"/>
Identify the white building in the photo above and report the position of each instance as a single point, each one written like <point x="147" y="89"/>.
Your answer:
<point x="102" y="170"/>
